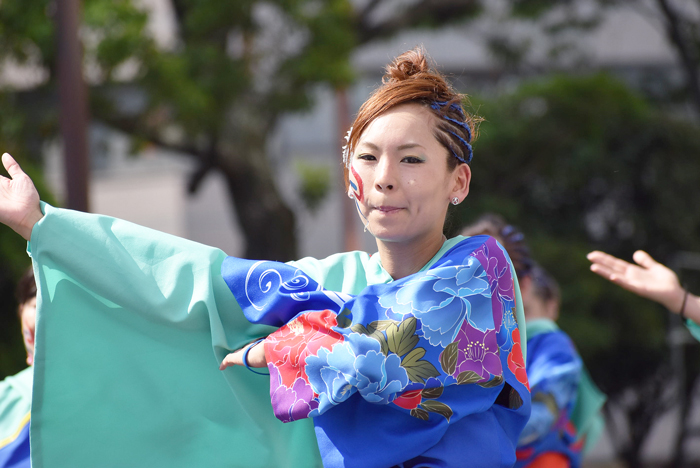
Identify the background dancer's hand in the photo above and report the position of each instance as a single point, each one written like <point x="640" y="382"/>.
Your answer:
<point x="19" y="199"/>
<point x="648" y="278"/>
<point x="256" y="357"/>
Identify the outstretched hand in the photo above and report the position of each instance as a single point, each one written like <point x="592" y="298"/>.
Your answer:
<point x="256" y="357"/>
<point x="19" y="199"/>
<point x="648" y="278"/>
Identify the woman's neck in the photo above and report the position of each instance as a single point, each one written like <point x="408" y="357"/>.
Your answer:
<point x="401" y="259"/>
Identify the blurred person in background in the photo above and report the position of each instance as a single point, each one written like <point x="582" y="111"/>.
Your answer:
<point x="652" y="280"/>
<point x="565" y="404"/>
<point x="408" y="357"/>
<point x="16" y="390"/>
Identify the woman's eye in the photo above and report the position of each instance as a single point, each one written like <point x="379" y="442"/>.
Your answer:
<point x="412" y="160"/>
<point x="367" y="157"/>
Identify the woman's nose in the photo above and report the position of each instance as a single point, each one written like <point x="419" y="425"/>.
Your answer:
<point x="385" y="179"/>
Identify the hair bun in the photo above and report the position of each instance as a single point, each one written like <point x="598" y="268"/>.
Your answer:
<point x="406" y="65"/>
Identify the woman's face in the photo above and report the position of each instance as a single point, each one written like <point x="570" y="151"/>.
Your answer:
<point x="28" y="318"/>
<point x="399" y="169"/>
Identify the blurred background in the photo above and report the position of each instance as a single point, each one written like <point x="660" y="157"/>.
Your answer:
<point x="222" y="121"/>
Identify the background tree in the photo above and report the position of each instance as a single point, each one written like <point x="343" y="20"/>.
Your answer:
<point x="582" y="163"/>
<point x="544" y="35"/>
<point x="216" y="94"/>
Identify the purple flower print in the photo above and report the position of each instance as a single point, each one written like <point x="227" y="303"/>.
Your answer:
<point x="291" y="404"/>
<point x="493" y="258"/>
<point x="478" y="352"/>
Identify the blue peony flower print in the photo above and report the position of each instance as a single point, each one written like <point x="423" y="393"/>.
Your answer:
<point x="355" y="365"/>
<point x="451" y="292"/>
<point x="505" y="341"/>
<point x="380" y="378"/>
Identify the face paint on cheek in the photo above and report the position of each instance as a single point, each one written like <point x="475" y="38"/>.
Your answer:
<point x="357" y="185"/>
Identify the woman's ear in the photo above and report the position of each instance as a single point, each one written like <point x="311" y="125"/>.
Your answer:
<point x="462" y="177"/>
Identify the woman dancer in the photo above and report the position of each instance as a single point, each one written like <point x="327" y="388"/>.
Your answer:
<point x="565" y="402"/>
<point x="409" y="357"/>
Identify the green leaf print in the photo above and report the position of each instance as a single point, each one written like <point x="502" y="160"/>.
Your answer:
<point x="495" y="382"/>
<point x="420" y="414"/>
<point x="432" y="393"/>
<point x="448" y="358"/>
<point x="420" y="371"/>
<point x="438" y="407"/>
<point x="468" y="377"/>
<point x="402" y="338"/>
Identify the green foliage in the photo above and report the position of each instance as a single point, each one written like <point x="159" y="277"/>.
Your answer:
<point x="583" y="163"/>
<point x="532" y="8"/>
<point x="26" y="30"/>
<point x="314" y="183"/>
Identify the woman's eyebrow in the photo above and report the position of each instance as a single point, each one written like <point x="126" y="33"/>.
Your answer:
<point x="400" y="147"/>
<point x="409" y="146"/>
<point x="370" y="145"/>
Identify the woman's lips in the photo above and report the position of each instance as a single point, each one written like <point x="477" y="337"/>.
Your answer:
<point x="388" y="209"/>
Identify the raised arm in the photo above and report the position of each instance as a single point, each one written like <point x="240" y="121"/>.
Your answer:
<point x="19" y="199"/>
<point x="649" y="279"/>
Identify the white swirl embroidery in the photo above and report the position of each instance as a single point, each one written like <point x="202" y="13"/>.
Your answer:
<point x="265" y="286"/>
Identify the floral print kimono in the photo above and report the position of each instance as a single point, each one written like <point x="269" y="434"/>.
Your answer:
<point x="566" y="419"/>
<point x="133" y="323"/>
<point x="424" y="371"/>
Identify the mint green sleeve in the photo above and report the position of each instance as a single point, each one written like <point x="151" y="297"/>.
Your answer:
<point x="132" y="324"/>
<point x="694" y="329"/>
<point x="519" y="313"/>
<point x="342" y="272"/>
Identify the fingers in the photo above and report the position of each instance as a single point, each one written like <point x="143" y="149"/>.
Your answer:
<point x="644" y="259"/>
<point x="255" y="357"/>
<point x="613" y="264"/>
<point x="233" y="359"/>
<point x="11" y="165"/>
<point x="603" y="271"/>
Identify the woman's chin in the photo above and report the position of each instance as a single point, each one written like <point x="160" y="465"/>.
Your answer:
<point x="389" y="235"/>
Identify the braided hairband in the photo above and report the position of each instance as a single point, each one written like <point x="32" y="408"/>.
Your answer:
<point x="438" y="106"/>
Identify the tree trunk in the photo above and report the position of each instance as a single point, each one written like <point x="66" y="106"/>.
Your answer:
<point x="267" y="222"/>
<point x="685" y="48"/>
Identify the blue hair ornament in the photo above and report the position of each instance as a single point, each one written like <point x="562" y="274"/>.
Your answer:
<point x="438" y="105"/>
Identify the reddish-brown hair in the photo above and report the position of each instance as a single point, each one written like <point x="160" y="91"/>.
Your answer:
<point x="410" y="78"/>
<point x="26" y="289"/>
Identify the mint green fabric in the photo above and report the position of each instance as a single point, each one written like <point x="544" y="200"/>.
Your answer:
<point x="539" y="326"/>
<point x="132" y="324"/>
<point x="351" y="272"/>
<point x="694" y="329"/>
<point x="15" y="403"/>
<point x="587" y="415"/>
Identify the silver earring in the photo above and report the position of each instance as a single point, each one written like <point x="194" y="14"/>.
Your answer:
<point x="455" y="201"/>
<point x="350" y="194"/>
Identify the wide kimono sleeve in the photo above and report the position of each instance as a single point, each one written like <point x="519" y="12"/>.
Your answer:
<point x="131" y="326"/>
<point x="435" y="347"/>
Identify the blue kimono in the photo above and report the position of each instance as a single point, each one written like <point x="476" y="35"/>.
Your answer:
<point x="566" y="404"/>
<point x="15" y="406"/>
<point x="132" y="325"/>
<point x="423" y="371"/>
